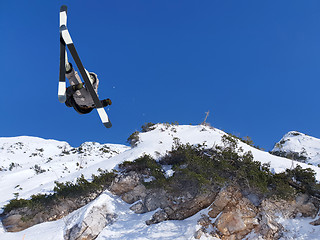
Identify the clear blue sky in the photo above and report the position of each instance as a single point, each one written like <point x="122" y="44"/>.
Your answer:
<point x="255" y="65"/>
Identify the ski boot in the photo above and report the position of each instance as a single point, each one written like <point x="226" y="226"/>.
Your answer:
<point x="68" y="67"/>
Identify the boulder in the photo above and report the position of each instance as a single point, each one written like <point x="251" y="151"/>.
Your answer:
<point x="230" y="216"/>
<point x="238" y="216"/>
<point x="315" y="222"/>
<point x="86" y="223"/>
<point x="271" y="209"/>
<point x="124" y="183"/>
<point x="138" y="208"/>
<point x="137" y="193"/>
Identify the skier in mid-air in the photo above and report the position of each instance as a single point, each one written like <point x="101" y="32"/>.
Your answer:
<point x="78" y="95"/>
<point x="83" y="98"/>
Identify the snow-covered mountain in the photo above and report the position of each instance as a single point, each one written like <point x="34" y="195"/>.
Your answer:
<point x="299" y="146"/>
<point x="30" y="165"/>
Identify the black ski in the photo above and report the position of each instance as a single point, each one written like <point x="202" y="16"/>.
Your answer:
<point x="68" y="41"/>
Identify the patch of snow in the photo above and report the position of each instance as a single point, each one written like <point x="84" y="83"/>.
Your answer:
<point x="149" y="179"/>
<point x="168" y="172"/>
<point x="299" y="229"/>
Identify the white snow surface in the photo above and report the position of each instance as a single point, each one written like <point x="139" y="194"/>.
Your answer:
<point x="301" y="143"/>
<point x="58" y="161"/>
<point x="19" y="176"/>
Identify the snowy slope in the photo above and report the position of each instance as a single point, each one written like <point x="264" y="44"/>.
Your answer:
<point x="30" y="165"/>
<point x="63" y="167"/>
<point x="302" y="144"/>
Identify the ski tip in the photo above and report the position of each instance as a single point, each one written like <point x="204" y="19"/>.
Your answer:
<point x="62" y="98"/>
<point x="63" y="8"/>
<point x="107" y="124"/>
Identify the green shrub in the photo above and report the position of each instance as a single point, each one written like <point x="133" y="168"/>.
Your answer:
<point x="101" y="182"/>
<point x="69" y="189"/>
<point x="81" y="188"/>
<point x="246" y="140"/>
<point x="147" y="127"/>
<point x="218" y="166"/>
<point x="146" y="162"/>
<point x="278" y="186"/>
<point x="133" y="139"/>
<point x="38" y="169"/>
<point x="229" y="142"/>
<point x="303" y="179"/>
<point x="16" y="203"/>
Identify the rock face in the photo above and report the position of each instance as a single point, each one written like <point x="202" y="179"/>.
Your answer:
<point x="83" y="224"/>
<point x="14" y="223"/>
<point x="316" y="222"/>
<point x="183" y="203"/>
<point x="301" y="206"/>
<point x="233" y="216"/>
<point x="173" y="211"/>
<point x="20" y="219"/>
<point x="86" y="225"/>
<point x="125" y="183"/>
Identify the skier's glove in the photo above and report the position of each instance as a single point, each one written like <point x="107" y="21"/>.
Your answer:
<point x="106" y="102"/>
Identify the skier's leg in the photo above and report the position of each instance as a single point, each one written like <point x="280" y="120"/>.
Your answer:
<point x="94" y="80"/>
<point x="72" y="75"/>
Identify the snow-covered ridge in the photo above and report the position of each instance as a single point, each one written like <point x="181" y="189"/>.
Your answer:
<point x="27" y="161"/>
<point x="161" y="139"/>
<point x="30" y="165"/>
<point x="299" y="146"/>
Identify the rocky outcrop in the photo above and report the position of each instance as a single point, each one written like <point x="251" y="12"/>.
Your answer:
<point x="125" y="183"/>
<point x="83" y="223"/>
<point x="298" y="156"/>
<point x="174" y="211"/>
<point x="184" y="202"/>
<point x="230" y="216"/>
<point x="233" y="216"/>
<point x="14" y="223"/>
<point x="302" y="206"/>
<point x="315" y="222"/>
<point x="87" y="224"/>
<point x="22" y="218"/>
<point x="231" y="213"/>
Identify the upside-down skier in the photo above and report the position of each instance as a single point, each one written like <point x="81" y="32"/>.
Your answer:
<point x="78" y="95"/>
<point x="82" y="96"/>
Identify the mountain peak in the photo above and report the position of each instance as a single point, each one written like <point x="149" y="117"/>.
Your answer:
<point x="294" y="134"/>
<point x="298" y="146"/>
